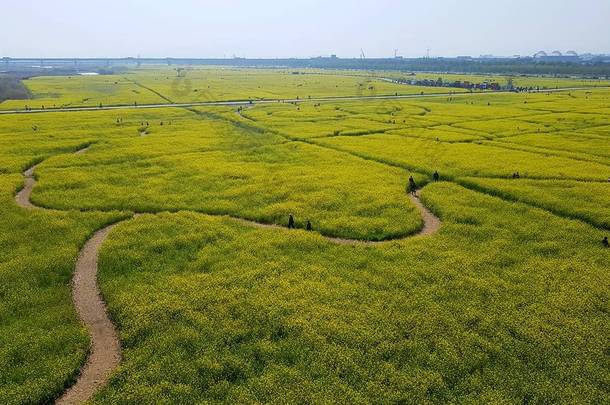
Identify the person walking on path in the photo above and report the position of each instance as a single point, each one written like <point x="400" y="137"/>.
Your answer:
<point x="412" y="186"/>
<point x="605" y="242"/>
<point x="309" y="225"/>
<point x="290" y="222"/>
<point x="436" y="176"/>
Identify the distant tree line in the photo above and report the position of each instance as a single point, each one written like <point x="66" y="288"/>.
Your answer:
<point x="494" y="66"/>
<point x="526" y="66"/>
<point x="458" y="84"/>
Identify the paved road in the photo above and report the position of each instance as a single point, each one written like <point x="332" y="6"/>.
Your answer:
<point x="275" y="101"/>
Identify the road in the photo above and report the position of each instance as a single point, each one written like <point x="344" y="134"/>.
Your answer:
<point x="275" y="101"/>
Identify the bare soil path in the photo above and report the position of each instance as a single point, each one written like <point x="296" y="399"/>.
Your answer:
<point x="432" y="224"/>
<point x="105" y="351"/>
<point x="23" y="196"/>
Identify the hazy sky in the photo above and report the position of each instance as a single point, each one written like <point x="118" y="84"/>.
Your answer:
<point x="284" y="28"/>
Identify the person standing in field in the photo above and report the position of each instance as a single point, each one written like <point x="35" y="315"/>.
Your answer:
<point x="309" y="228"/>
<point x="436" y="176"/>
<point x="412" y="188"/>
<point x="290" y="222"/>
<point x="605" y="242"/>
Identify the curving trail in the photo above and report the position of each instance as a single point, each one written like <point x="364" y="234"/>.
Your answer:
<point x="22" y="198"/>
<point x="105" y="351"/>
<point x="432" y="224"/>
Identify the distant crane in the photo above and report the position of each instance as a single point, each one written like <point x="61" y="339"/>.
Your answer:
<point x="362" y="55"/>
<point x="395" y="53"/>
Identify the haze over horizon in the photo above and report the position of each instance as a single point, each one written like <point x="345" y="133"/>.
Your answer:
<point x="278" y="29"/>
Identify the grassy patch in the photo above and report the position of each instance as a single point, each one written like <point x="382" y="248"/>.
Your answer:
<point x="212" y="310"/>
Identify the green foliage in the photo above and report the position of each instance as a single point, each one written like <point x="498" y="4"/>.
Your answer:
<point x="507" y="304"/>
<point x="496" y="307"/>
<point x="589" y="201"/>
<point x="82" y="91"/>
<point x="595" y="147"/>
<point x="158" y="86"/>
<point x="339" y="194"/>
<point x="466" y="159"/>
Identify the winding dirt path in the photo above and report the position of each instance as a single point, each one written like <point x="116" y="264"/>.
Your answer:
<point x="105" y="350"/>
<point x="23" y="196"/>
<point x="432" y="224"/>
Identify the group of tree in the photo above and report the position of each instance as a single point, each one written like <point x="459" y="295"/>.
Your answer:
<point x="524" y="66"/>
<point x="13" y="89"/>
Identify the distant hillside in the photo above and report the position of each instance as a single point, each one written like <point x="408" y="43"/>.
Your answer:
<point x="12" y="88"/>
